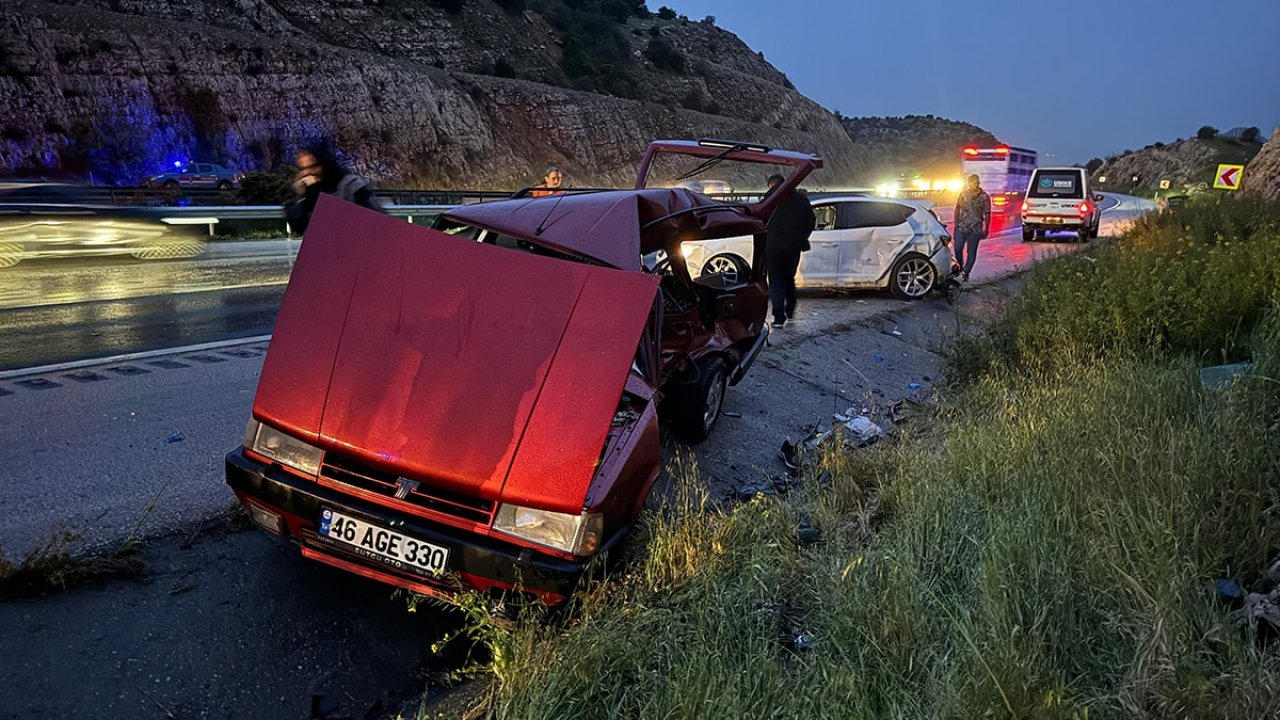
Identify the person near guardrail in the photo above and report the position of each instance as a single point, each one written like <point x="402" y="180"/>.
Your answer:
<point x="973" y="223"/>
<point x="786" y="237"/>
<point x="552" y="180"/>
<point x="320" y="172"/>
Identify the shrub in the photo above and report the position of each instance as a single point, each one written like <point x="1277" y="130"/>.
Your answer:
<point x="664" y="56"/>
<point x="1207" y="132"/>
<point x="666" y="13"/>
<point x="503" y="68"/>
<point x="1191" y="283"/>
<point x="513" y="7"/>
<point x="265" y="188"/>
<point x="1251" y="135"/>
<point x="1094" y="165"/>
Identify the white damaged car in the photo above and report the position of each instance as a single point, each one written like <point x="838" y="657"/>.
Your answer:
<point x="859" y="242"/>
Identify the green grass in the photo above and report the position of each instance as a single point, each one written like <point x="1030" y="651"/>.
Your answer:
<point x="1043" y="547"/>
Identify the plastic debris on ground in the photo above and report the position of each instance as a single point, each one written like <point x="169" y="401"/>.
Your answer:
<point x="1218" y="376"/>
<point x="176" y="437"/>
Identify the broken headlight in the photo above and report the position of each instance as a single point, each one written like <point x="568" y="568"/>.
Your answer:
<point x="284" y="449"/>
<point x="576" y="534"/>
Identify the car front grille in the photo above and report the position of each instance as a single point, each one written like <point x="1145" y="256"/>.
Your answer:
<point x="354" y="474"/>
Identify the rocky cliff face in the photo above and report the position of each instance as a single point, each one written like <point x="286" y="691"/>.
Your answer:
<point x="1262" y="175"/>
<point x="1188" y="165"/>
<point x="412" y="93"/>
<point x="914" y="143"/>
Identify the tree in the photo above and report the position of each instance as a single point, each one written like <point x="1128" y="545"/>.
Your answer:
<point x="1207" y="132"/>
<point x="666" y="13"/>
<point x="1250" y="134"/>
<point x="1094" y="165"/>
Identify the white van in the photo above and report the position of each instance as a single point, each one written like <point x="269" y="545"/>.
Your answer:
<point x="1060" y="199"/>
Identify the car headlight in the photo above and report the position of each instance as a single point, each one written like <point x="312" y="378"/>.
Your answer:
<point x="577" y="534"/>
<point x="284" y="449"/>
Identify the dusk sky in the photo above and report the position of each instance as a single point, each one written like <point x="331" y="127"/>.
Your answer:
<point x="1071" y="80"/>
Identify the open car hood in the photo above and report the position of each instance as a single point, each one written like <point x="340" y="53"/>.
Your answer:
<point x="613" y="227"/>
<point x="473" y="368"/>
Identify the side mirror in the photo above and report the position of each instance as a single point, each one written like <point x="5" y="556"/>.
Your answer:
<point x="1098" y="198"/>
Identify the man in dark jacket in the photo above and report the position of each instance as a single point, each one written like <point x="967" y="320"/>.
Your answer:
<point x="787" y="237"/>
<point x="320" y="172"/>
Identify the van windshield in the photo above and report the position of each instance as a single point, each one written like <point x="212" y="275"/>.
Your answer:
<point x="1056" y="185"/>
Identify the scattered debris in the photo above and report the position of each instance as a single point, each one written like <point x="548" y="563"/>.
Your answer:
<point x="895" y="332"/>
<point x="733" y="414"/>
<point x="804" y="641"/>
<point x="807" y="533"/>
<point x="176" y="437"/>
<point x="1228" y="590"/>
<point x="1260" y="607"/>
<point x="913" y="386"/>
<point x="1219" y="376"/>
<point x="879" y="358"/>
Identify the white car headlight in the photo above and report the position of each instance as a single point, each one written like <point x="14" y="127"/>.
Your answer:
<point x="284" y="449"/>
<point x="577" y="534"/>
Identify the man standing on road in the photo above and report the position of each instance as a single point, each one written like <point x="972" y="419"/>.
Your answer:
<point x="787" y="236"/>
<point x="973" y="223"/>
<point x="320" y="172"/>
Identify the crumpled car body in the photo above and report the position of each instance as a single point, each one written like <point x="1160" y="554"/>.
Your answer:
<point x="477" y="406"/>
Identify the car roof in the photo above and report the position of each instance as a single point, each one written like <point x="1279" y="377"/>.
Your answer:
<point x="614" y="227"/>
<point x="1060" y="169"/>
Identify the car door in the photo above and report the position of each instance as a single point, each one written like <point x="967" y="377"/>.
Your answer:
<point x="875" y="233"/>
<point x="819" y="267"/>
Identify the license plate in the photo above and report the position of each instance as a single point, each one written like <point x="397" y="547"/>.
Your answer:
<point x="1052" y="221"/>
<point x="386" y="546"/>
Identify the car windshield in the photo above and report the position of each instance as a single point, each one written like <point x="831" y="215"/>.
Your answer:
<point x="1056" y="185"/>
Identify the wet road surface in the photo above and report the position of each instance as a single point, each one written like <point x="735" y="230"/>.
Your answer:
<point x="54" y="311"/>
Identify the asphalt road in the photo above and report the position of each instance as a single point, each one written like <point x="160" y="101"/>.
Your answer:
<point x="236" y="624"/>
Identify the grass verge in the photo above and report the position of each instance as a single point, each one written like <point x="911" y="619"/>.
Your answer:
<point x="52" y="568"/>
<point x="1044" y="548"/>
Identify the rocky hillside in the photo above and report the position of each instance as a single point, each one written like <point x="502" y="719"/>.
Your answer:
<point x="481" y="93"/>
<point x="1189" y="165"/>
<point x="1262" y="176"/>
<point x="915" y="143"/>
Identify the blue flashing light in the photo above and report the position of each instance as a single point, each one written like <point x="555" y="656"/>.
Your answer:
<point x="177" y="163"/>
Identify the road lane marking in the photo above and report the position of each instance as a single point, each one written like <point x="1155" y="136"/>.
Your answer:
<point x="91" y="362"/>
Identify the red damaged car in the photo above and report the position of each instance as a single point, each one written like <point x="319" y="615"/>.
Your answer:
<point x="476" y="406"/>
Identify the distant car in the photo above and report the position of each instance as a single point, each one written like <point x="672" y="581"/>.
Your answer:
<point x="476" y="405"/>
<point x="198" y="175"/>
<point x="1061" y="199"/>
<point x="859" y="242"/>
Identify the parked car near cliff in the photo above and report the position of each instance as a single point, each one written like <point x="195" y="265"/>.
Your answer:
<point x="477" y="405"/>
<point x="197" y="175"/>
<point x="859" y="242"/>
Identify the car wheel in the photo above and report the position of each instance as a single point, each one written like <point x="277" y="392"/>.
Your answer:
<point x="170" y="184"/>
<point x="1028" y="234"/>
<point x="912" y="277"/>
<point x="700" y="401"/>
<point x="10" y="254"/>
<point x="224" y="186"/>
<point x="726" y="264"/>
<point x="1084" y="233"/>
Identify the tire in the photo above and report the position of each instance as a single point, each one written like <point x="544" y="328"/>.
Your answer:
<point x="224" y="186"/>
<point x="10" y="254"/>
<point x="701" y="398"/>
<point x="1028" y="234"/>
<point x="913" y="277"/>
<point x="1083" y="234"/>
<point x="725" y="263"/>
<point x="170" y="184"/>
